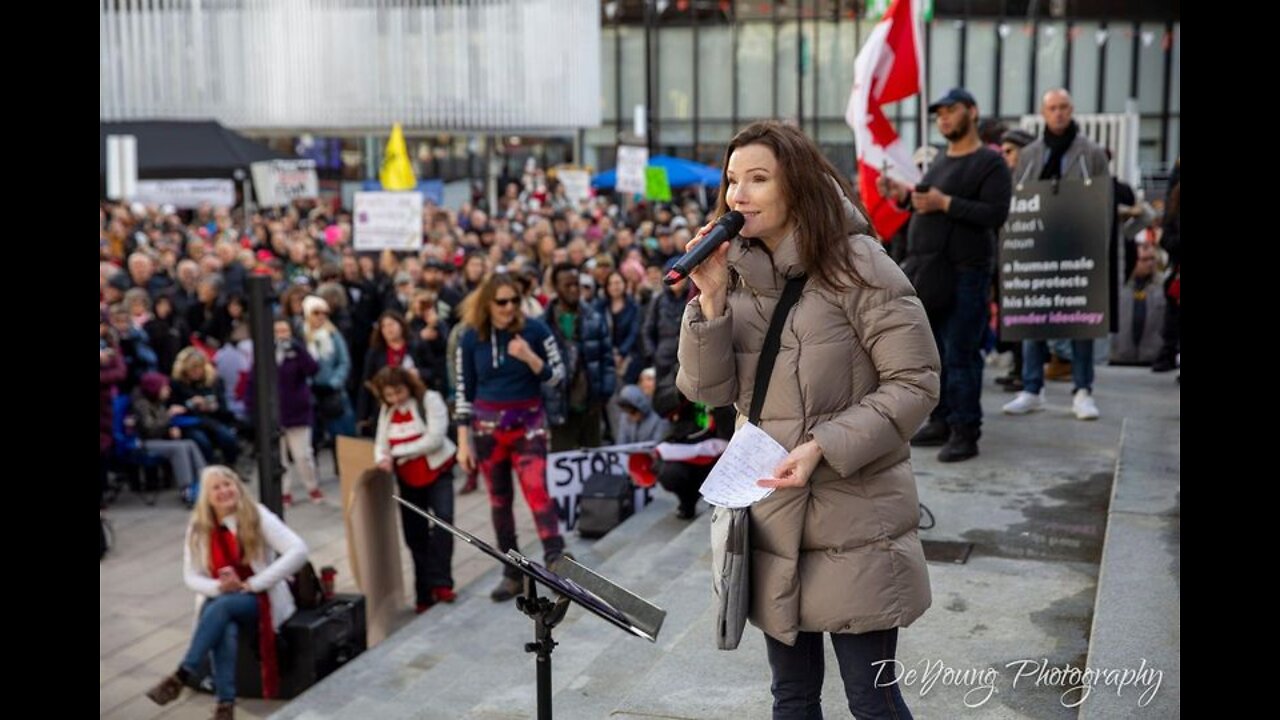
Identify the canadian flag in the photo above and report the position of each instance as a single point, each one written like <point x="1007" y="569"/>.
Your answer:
<point x="889" y="68"/>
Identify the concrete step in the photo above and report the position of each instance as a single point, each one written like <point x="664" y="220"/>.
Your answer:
<point x="1138" y="611"/>
<point x="445" y="661"/>
<point x="669" y="551"/>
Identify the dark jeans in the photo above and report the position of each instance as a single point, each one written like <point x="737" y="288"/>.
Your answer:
<point x="798" y="672"/>
<point x="432" y="548"/>
<point x="344" y="424"/>
<point x="1035" y="353"/>
<point x="580" y="430"/>
<point x="684" y="480"/>
<point x="959" y="338"/>
<point x="211" y="432"/>
<point x="221" y="619"/>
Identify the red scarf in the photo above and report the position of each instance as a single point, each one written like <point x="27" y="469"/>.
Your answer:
<point x="224" y="551"/>
<point x="416" y="472"/>
<point x="395" y="356"/>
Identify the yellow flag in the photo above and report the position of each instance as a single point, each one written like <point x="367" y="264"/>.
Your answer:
<point x="397" y="173"/>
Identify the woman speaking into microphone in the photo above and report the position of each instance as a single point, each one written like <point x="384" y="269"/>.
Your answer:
<point x="834" y="548"/>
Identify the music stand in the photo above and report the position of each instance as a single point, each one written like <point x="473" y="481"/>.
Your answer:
<point x="622" y="609"/>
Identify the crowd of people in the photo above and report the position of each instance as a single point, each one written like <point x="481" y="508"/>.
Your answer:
<point x="542" y="325"/>
<point x="538" y="327"/>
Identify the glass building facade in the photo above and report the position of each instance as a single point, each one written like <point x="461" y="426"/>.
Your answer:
<point x="716" y="65"/>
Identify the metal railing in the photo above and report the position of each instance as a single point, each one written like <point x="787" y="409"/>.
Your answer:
<point x="1117" y="132"/>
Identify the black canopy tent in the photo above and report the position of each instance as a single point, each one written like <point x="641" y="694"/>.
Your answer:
<point x="195" y="149"/>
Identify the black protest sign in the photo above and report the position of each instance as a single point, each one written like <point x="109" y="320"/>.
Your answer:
<point x="1054" y="270"/>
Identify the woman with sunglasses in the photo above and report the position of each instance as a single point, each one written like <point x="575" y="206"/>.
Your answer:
<point x="503" y="359"/>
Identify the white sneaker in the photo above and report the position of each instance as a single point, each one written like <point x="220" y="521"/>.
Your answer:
<point x="1083" y="405"/>
<point x="1025" y="403"/>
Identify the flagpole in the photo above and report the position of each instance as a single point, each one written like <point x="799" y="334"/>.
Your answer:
<point x="922" y="129"/>
<point x="880" y="78"/>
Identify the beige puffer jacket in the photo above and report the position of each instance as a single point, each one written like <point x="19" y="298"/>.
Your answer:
<point x="859" y="371"/>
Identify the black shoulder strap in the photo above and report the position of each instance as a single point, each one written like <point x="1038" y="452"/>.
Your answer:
<point x="772" y="341"/>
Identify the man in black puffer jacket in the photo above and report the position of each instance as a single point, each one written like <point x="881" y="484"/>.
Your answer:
<point x="691" y="424"/>
<point x="584" y="340"/>
<point x="660" y="335"/>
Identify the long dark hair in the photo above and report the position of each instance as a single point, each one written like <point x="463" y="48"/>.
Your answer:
<point x="812" y="188"/>
<point x="626" y="286"/>
<point x="377" y="342"/>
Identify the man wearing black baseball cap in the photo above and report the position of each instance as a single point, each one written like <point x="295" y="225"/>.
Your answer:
<point x="957" y="209"/>
<point x="435" y="276"/>
<point x="954" y="96"/>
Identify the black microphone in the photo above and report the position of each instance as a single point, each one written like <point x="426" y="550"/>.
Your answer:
<point x="726" y="228"/>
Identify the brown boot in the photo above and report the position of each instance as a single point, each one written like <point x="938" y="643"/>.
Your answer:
<point x="470" y="485"/>
<point x="507" y="589"/>
<point x="1057" y="370"/>
<point x="225" y="711"/>
<point x="167" y="691"/>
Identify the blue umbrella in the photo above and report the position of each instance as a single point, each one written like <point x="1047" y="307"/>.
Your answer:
<point x="680" y="173"/>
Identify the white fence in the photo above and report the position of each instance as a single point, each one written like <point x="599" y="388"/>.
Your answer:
<point x="1116" y="132"/>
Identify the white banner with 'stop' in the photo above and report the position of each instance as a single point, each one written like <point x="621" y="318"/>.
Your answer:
<point x="280" y="182"/>
<point x="388" y="221"/>
<point x="567" y="471"/>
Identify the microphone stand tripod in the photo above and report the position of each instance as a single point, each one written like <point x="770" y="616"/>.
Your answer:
<point x="644" y="619"/>
<point x="546" y="614"/>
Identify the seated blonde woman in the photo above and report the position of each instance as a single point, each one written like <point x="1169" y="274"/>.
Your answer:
<point x="237" y="558"/>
